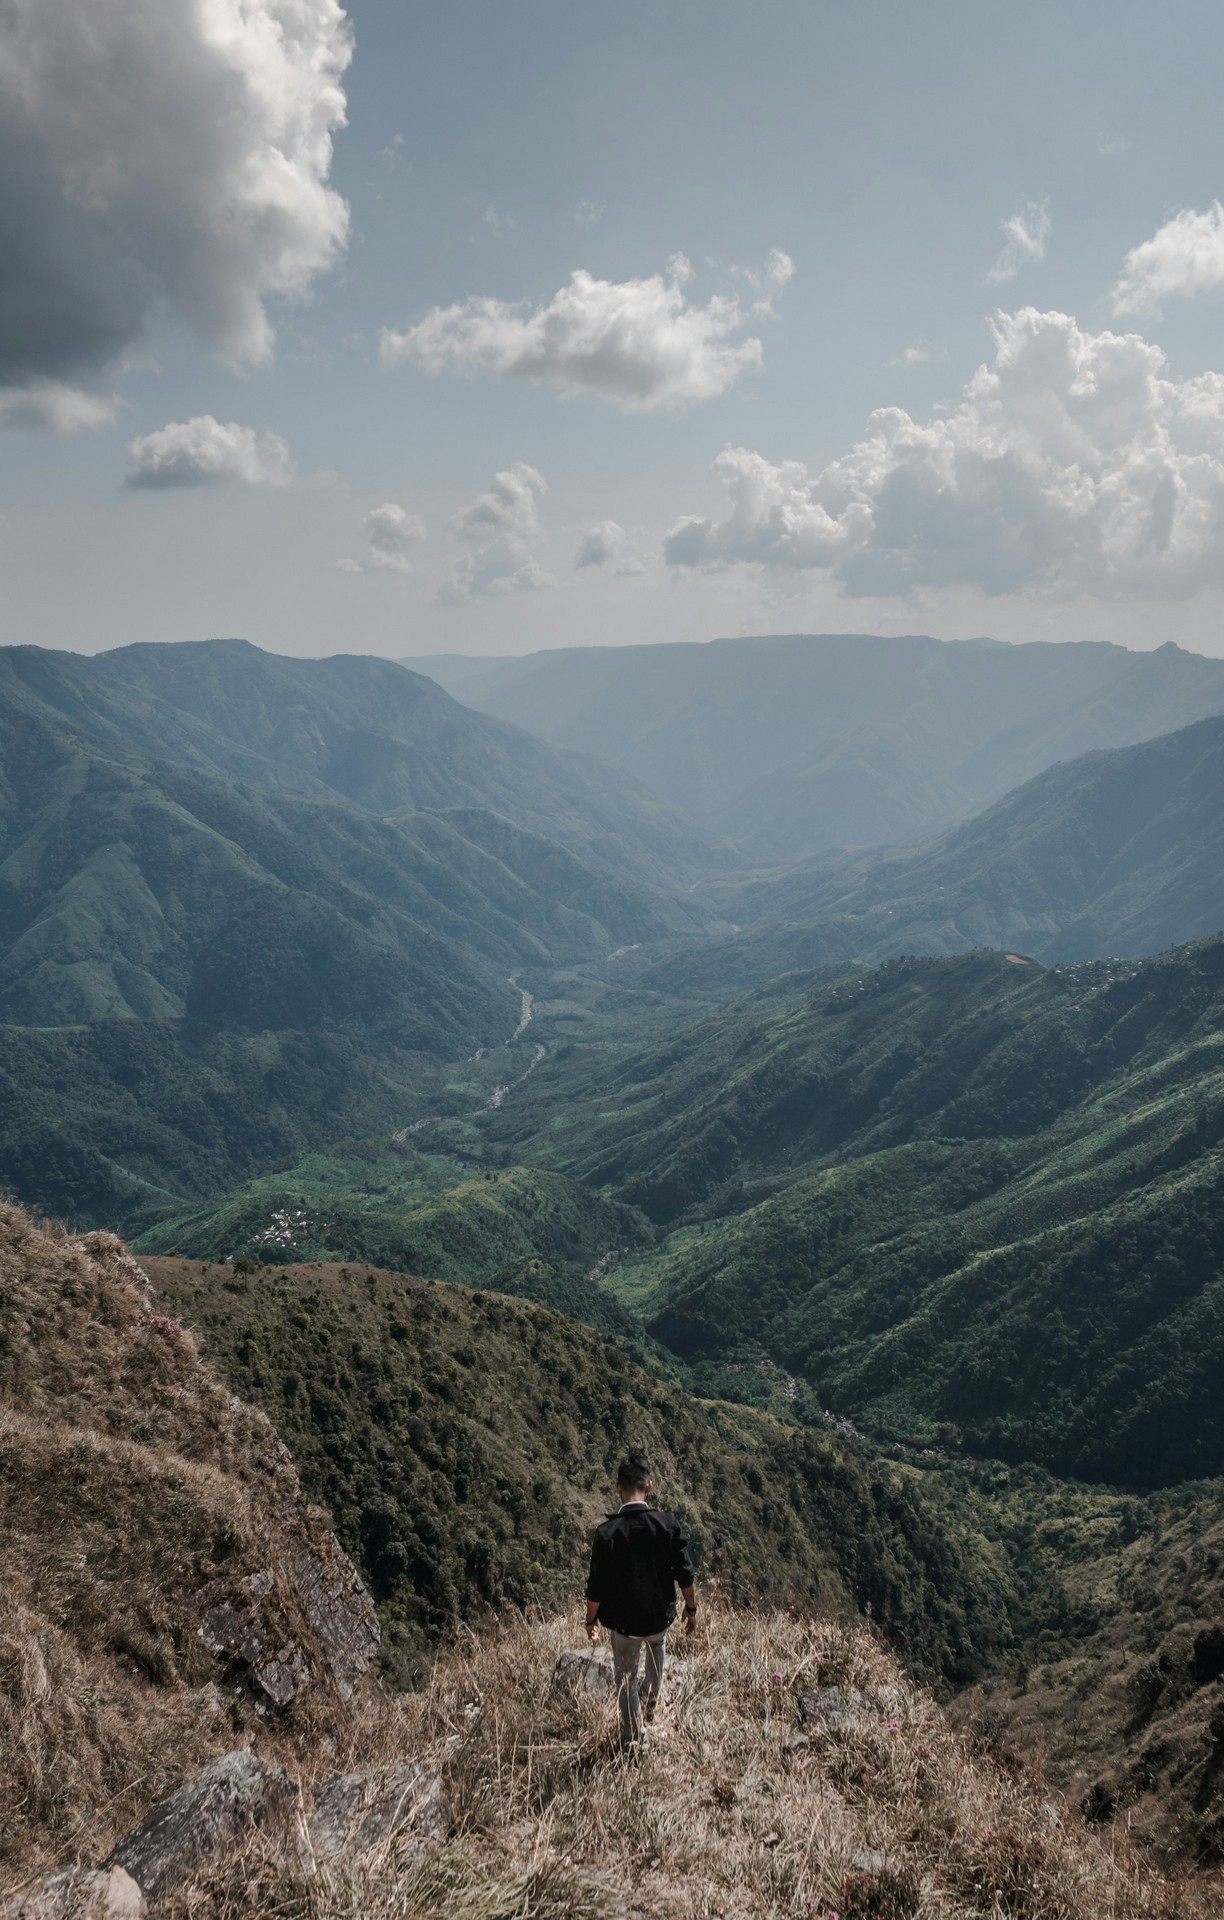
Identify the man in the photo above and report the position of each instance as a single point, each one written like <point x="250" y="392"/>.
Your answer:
<point x="638" y="1558"/>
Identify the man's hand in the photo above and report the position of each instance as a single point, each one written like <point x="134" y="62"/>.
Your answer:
<point x="690" y="1623"/>
<point x="592" y="1630"/>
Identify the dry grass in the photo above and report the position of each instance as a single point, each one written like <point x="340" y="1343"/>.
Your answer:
<point x="716" y="1819"/>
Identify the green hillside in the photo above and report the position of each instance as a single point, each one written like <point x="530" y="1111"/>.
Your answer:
<point x="351" y="727"/>
<point x="1117" y="852"/>
<point x="463" y="1443"/>
<point x="791" y="743"/>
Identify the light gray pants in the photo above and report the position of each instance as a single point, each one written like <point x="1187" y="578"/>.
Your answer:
<point x="627" y="1650"/>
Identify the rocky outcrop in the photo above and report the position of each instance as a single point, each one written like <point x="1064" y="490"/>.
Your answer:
<point x="213" y="1812"/>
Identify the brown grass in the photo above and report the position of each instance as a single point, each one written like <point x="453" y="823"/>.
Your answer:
<point x="716" y="1819"/>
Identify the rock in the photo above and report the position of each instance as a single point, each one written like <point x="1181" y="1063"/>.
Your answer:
<point x="339" y="1610"/>
<point x="583" y="1672"/>
<point x="826" y="1707"/>
<point x="248" y="1625"/>
<point x="356" y="1812"/>
<point x="81" y="1895"/>
<point x="796" y="1743"/>
<point x="868" y="1860"/>
<point x="212" y="1812"/>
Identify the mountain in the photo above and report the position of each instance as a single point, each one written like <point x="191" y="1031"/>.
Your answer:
<point x="199" y="975"/>
<point x="351" y="726"/>
<point x="1117" y="852"/>
<point x="794" y="743"/>
<point x="971" y="1201"/>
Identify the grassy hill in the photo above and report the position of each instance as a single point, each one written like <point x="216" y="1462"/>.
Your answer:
<point x="463" y="1443"/>
<point x="791" y="743"/>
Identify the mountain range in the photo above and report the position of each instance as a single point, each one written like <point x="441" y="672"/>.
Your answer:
<point x="792" y="744"/>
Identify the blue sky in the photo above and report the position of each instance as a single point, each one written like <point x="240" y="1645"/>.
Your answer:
<point x="446" y="422"/>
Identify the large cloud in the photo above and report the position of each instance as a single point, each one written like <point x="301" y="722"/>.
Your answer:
<point x="1184" y="256"/>
<point x="497" y="527"/>
<point x="205" y="452"/>
<point x="1074" y="463"/>
<point x="161" y="158"/>
<point x="640" y="342"/>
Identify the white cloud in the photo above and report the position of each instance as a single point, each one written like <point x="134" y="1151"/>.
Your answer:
<point x="391" y="534"/>
<point x="640" y="342"/>
<point x="56" y="408"/>
<point x="603" y="542"/>
<point x="203" y="452"/>
<point x="1073" y="464"/>
<point x="608" y="544"/>
<point x="1024" y="241"/>
<point x="497" y="526"/>
<point x="915" y="356"/>
<point x="165" y="158"/>
<point x="1185" y="256"/>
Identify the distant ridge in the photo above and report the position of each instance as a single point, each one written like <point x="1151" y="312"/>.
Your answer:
<point x="791" y="744"/>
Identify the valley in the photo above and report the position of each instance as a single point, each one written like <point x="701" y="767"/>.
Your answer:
<point x="880" y="1193"/>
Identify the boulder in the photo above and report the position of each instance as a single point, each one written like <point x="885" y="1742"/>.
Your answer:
<point x="356" y="1812"/>
<point x="584" y="1672"/>
<point x="108" y="1894"/>
<point x="826" y="1708"/>
<point x="212" y="1812"/>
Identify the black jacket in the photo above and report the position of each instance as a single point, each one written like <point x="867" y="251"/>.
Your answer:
<point x="638" y="1558"/>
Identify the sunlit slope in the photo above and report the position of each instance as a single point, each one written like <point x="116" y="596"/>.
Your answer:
<point x="967" y="1198"/>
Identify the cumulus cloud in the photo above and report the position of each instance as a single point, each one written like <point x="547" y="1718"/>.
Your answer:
<point x="603" y="542"/>
<point x="1073" y="463"/>
<point x="497" y="526"/>
<point x="642" y="343"/>
<point x="204" y="453"/>
<point x="1184" y="256"/>
<point x="55" y="408"/>
<point x="608" y="544"/>
<point x="165" y="158"/>
<point x="1024" y="241"/>
<point x="391" y="534"/>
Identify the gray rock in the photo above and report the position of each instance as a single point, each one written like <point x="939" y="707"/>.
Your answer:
<point x="825" y="1707"/>
<point x="214" y="1811"/>
<point x="356" y="1812"/>
<point x="338" y="1609"/>
<point x="868" y="1860"/>
<point x="583" y="1672"/>
<point x="796" y="1743"/>
<point x="80" y="1895"/>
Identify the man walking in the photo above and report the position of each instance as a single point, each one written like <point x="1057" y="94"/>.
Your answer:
<point x="638" y="1558"/>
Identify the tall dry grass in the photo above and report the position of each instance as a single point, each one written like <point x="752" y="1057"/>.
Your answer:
<point x="892" y="1816"/>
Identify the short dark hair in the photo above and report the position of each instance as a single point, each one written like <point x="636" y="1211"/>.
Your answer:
<point x="633" y="1473"/>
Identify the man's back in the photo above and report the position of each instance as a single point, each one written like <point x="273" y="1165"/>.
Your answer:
<point x="638" y="1558"/>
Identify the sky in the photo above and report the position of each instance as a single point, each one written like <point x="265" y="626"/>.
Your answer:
<point x="486" y="328"/>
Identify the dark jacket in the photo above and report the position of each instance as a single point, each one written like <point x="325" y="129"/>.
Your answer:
<point x="638" y="1558"/>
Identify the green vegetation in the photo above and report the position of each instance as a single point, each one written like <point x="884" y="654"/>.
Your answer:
<point x="463" y="1443"/>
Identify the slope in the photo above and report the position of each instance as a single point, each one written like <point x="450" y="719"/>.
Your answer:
<point x="352" y="726"/>
<point x="969" y="1200"/>
<point x="1116" y="852"/>
<point x="198" y="977"/>
<point x="792" y="743"/>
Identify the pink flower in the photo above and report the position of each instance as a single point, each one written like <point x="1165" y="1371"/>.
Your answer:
<point x="775" y="1679"/>
<point x="895" y="1725"/>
